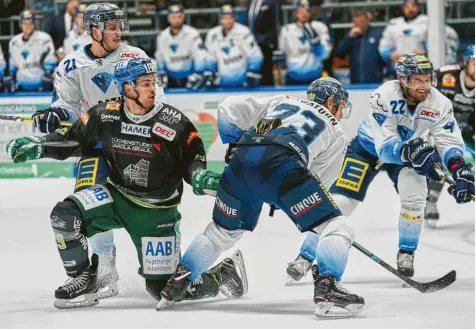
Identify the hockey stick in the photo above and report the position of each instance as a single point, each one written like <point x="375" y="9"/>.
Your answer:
<point x="60" y="144"/>
<point x="432" y="286"/>
<point x="446" y="178"/>
<point x="28" y="120"/>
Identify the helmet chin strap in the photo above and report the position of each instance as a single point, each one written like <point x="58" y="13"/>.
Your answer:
<point x="101" y="42"/>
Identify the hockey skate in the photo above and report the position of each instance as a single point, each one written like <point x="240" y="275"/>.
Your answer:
<point x="232" y="284"/>
<point x="175" y="289"/>
<point x="297" y="269"/>
<point x="108" y="276"/>
<point x="333" y="301"/>
<point x="431" y="215"/>
<point x="405" y="263"/>
<point x="80" y="291"/>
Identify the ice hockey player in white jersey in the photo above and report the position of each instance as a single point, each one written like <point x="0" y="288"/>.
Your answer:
<point x="235" y="57"/>
<point x="404" y="35"/>
<point x="283" y="159"/>
<point x="306" y="45"/>
<point x="84" y="79"/>
<point x="32" y="58"/>
<point x="78" y="37"/>
<point x="180" y="53"/>
<point x="392" y="138"/>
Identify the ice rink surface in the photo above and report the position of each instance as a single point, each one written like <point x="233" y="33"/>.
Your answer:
<point x="31" y="270"/>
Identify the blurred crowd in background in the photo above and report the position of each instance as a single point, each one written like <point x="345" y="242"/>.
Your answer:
<point x="199" y="43"/>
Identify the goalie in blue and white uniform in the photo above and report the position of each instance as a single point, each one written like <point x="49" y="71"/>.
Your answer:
<point x="393" y="138"/>
<point x="32" y="59"/>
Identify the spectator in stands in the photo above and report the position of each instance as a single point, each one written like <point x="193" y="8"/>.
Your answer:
<point x="404" y="35"/>
<point x="180" y="53"/>
<point x="264" y="20"/>
<point x="58" y="26"/>
<point x="305" y="44"/>
<point x="43" y="7"/>
<point x="32" y="58"/>
<point x="78" y="37"/>
<point x="234" y="54"/>
<point x="366" y="65"/>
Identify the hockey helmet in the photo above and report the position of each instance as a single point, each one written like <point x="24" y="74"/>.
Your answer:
<point x="468" y="54"/>
<point x="127" y="71"/>
<point x="414" y="64"/>
<point x="81" y="9"/>
<point x="98" y="14"/>
<point x="26" y="15"/>
<point x="323" y="88"/>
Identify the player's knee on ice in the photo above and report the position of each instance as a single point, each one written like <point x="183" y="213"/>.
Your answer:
<point x="67" y="222"/>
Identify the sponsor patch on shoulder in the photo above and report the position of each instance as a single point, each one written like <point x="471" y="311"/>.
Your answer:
<point x="129" y="55"/>
<point x="84" y="118"/>
<point x="164" y="131"/>
<point x="113" y="105"/>
<point x="430" y="114"/>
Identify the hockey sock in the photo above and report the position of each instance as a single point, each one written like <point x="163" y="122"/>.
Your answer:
<point x="200" y="255"/>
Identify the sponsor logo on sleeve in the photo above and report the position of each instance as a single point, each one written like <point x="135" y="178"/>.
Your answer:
<point x="84" y="118"/>
<point x="129" y="55"/>
<point x="429" y="114"/>
<point x="448" y="81"/>
<point x="164" y="131"/>
<point x="192" y="136"/>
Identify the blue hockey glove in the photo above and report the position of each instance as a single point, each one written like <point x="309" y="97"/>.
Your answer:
<point x="464" y="184"/>
<point x="9" y="84"/>
<point x="48" y="120"/>
<point x="422" y="157"/>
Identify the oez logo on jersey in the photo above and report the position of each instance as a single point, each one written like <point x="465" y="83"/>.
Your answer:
<point x="164" y="131"/>
<point x="133" y="129"/>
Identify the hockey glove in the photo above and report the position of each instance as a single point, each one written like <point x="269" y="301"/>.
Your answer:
<point x="205" y="180"/>
<point x="422" y="157"/>
<point x="25" y="148"/>
<point x="195" y="81"/>
<point x="252" y="79"/>
<point x="229" y="152"/>
<point x="464" y="184"/>
<point x="9" y="84"/>
<point x="48" y="120"/>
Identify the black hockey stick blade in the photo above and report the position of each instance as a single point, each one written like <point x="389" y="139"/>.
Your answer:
<point x="432" y="286"/>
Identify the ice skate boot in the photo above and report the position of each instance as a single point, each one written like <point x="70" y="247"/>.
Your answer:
<point x="232" y="283"/>
<point x="298" y="268"/>
<point x="175" y="289"/>
<point x="333" y="301"/>
<point x="80" y="291"/>
<point x="405" y="263"/>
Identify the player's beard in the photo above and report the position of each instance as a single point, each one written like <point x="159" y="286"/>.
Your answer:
<point x="415" y="95"/>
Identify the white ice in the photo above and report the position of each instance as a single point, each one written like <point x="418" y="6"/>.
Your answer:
<point x="31" y="270"/>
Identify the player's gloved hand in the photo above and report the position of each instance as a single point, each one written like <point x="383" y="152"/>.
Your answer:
<point x="46" y="83"/>
<point x="25" y="148"/>
<point x="464" y="184"/>
<point x="203" y="180"/>
<point x="48" y="120"/>
<point x="422" y="157"/>
<point x="9" y="84"/>
<point x="229" y="152"/>
<point x="252" y="79"/>
<point x="195" y="81"/>
<point x="164" y="79"/>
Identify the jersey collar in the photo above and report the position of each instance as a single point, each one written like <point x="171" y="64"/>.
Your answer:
<point x="142" y="118"/>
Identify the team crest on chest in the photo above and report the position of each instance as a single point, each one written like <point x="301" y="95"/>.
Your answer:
<point x="102" y="80"/>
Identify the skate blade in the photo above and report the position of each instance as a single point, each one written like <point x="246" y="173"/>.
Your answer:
<point x="329" y="310"/>
<point x="85" y="300"/>
<point x="164" y="304"/>
<point x="237" y="258"/>
<point x="110" y="290"/>
<point x="406" y="285"/>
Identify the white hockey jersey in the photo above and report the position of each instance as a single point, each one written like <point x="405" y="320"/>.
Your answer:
<point x="29" y="60"/>
<point x="303" y="57"/>
<point x="390" y="123"/>
<point x="403" y="36"/>
<point x="233" y="55"/>
<point x="82" y="81"/>
<point x="3" y="64"/>
<point x="325" y="137"/>
<point x="181" y="54"/>
<point x="451" y="45"/>
<point x="75" y="40"/>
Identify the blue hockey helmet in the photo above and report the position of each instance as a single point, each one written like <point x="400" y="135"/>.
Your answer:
<point x="127" y="71"/>
<point x="468" y="54"/>
<point x="323" y="88"/>
<point x="26" y="15"/>
<point x="81" y="9"/>
<point x="98" y="14"/>
<point x="414" y="64"/>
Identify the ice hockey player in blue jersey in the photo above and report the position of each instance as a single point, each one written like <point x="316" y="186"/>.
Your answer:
<point x="85" y="78"/>
<point x="78" y="37"/>
<point x="234" y="55"/>
<point x="280" y="160"/>
<point x="32" y="59"/>
<point x="392" y="138"/>
<point x="180" y="55"/>
<point x="306" y="45"/>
